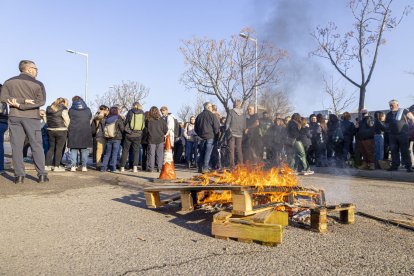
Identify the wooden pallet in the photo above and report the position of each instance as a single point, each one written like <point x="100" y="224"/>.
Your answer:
<point x="243" y="204"/>
<point x="319" y="220"/>
<point x="264" y="227"/>
<point x="187" y="193"/>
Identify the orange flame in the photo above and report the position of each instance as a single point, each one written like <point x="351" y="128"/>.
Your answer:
<point x="247" y="175"/>
<point x="253" y="176"/>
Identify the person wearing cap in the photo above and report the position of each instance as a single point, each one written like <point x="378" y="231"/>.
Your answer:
<point x="396" y="121"/>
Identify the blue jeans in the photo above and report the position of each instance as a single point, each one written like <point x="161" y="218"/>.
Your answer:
<point x="74" y="155"/>
<point x="3" y="128"/>
<point x="191" y="151"/>
<point x="111" y="155"/>
<point x="205" y="154"/>
<point x="378" y="147"/>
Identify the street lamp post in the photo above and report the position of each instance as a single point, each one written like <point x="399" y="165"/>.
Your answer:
<point x="87" y="62"/>
<point x="246" y="36"/>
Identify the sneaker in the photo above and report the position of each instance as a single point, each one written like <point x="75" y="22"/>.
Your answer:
<point x="73" y="169"/>
<point x="135" y="169"/>
<point x="122" y="169"/>
<point x="48" y="168"/>
<point x="308" y="172"/>
<point x="84" y="169"/>
<point x="27" y="159"/>
<point x="58" y="169"/>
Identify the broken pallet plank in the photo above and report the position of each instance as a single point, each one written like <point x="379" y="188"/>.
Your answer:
<point x="268" y="233"/>
<point x="245" y="229"/>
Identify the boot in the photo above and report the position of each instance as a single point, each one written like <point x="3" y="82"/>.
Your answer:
<point x="135" y="169"/>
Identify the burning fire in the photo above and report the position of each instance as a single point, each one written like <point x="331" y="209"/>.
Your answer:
<point x="246" y="175"/>
<point x="255" y="177"/>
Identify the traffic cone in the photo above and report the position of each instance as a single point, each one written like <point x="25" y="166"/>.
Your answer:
<point x="168" y="171"/>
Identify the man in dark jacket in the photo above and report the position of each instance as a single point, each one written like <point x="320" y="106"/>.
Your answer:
<point x="207" y="127"/>
<point x="365" y="137"/>
<point x="79" y="132"/>
<point x="396" y="122"/>
<point x="25" y="95"/>
<point x="235" y="125"/>
<point x="134" y="125"/>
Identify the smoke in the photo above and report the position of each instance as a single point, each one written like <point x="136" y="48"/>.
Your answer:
<point x="288" y="24"/>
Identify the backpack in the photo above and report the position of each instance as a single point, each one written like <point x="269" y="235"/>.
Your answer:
<point x="137" y="122"/>
<point x="110" y="130"/>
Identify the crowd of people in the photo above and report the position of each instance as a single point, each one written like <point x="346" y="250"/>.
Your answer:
<point x="208" y="141"/>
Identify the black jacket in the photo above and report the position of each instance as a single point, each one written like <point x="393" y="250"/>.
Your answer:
<point x="396" y="126"/>
<point x="128" y="131"/>
<point x="207" y="125"/>
<point x="293" y="130"/>
<point x="379" y="127"/>
<point x="348" y="129"/>
<point x="305" y="136"/>
<point x="54" y="118"/>
<point x="79" y="131"/>
<point x="366" y="129"/>
<point x="156" y="130"/>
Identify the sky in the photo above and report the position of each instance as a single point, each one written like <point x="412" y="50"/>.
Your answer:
<point x="139" y="41"/>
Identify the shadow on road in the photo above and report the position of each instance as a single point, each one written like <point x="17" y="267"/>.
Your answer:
<point x="198" y="221"/>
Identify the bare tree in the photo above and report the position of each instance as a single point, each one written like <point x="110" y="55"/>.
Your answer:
<point x="184" y="113"/>
<point x="188" y="110"/>
<point x="124" y="94"/>
<point x="225" y="69"/>
<point x="276" y="102"/>
<point x="339" y="99"/>
<point x="359" y="46"/>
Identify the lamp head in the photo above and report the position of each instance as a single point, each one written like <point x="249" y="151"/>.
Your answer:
<point x="244" y="35"/>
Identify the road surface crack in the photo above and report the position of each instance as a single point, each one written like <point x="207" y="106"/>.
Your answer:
<point x="212" y="255"/>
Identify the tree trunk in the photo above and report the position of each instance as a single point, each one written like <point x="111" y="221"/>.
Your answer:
<point x="362" y="91"/>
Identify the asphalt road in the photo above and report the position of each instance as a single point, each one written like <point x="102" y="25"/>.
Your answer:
<point x="97" y="224"/>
